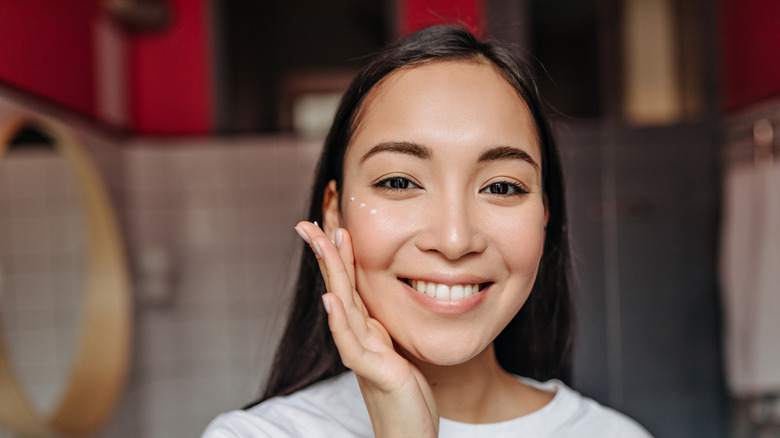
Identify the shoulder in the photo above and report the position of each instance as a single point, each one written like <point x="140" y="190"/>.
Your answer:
<point x="333" y="407"/>
<point x="570" y="414"/>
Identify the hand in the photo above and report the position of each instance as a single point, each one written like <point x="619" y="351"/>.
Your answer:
<point x="399" y="400"/>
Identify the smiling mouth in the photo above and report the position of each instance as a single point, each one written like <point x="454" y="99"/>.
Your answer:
<point x="445" y="292"/>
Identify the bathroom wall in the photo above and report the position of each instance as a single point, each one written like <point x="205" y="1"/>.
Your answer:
<point x="209" y="229"/>
<point x="221" y="215"/>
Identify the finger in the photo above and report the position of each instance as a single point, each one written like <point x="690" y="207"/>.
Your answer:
<point x="353" y="354"/>
<point x="307" y="231"/>
<point x="344" y="244"/>
<point x="338" y="277"/>
<point x="342" y="286"/>
<point x="361" y="353"/>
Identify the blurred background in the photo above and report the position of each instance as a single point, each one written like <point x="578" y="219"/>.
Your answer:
<point x="204" y="119"/>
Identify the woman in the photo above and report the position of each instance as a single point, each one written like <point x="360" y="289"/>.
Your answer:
<point x="442" y="259"/>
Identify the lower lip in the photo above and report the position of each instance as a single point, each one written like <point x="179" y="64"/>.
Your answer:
<point x="447" y="307"/>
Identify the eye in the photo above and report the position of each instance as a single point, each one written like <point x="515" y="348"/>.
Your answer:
<point x="504" y="188"/>
<point x="396" y="183"/>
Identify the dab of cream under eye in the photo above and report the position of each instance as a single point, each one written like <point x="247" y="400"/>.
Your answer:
<point x="373" y="211"/>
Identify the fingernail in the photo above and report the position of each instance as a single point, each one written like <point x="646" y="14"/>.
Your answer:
<point x="338" y="238"/>
<point x="303" y="235"/>
<point x="317" y="249"/>
<point x="315" y="223"/>
<point x="326" y="304"/>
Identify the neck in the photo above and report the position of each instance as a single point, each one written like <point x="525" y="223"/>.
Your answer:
<point x="480" y="391"/>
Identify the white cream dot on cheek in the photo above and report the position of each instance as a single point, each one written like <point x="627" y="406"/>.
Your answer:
<point x="373" y="211"/>
<point x="361" y="205"/>
<point x="352" y="199"/>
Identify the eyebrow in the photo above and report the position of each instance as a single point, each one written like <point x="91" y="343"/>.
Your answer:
<point x="424" y="152"/>
<point x="401" y="147"/>
<point x="506" y="152"/>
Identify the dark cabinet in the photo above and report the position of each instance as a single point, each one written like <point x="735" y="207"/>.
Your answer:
<point x="643" y="208"/>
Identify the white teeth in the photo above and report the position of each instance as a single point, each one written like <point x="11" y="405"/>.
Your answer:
<point x="444" y="292"/>
<point x="430" y="290"/>
<point x="456" y="293"/>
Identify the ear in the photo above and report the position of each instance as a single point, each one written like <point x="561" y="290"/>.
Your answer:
<point x="331" y="216"/>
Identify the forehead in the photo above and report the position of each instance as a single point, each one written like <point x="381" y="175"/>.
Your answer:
<point x="467" y="101"/>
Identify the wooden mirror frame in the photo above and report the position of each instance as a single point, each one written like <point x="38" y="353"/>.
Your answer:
<point x="101" y="363"/>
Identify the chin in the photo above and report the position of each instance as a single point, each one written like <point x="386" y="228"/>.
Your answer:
<point x="445" y="356"/>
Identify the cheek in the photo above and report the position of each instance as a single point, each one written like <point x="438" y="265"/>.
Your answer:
<point x="378" y="229"/>
<point x="520" y="238"/>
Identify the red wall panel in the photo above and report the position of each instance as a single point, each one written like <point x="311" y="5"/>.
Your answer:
<point x="419" y="14"/>
<point x="46" y="48"/>
<point x="751" y="51"/>
<point x="171" y="89"/>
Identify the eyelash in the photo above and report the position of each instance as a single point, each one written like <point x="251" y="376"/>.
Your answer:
<point x="384" y="184"/>
<point x="517" y="187"/>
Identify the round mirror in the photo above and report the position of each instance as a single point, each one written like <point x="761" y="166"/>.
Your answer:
<point x="65" y="314"/>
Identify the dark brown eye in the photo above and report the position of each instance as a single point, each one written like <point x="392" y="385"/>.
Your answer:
<point x="504" y="189"/>
<point x="499" y="188"/>
<point x="396" y="183"/>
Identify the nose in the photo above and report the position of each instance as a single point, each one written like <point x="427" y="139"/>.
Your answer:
<point x="452" y="229"/>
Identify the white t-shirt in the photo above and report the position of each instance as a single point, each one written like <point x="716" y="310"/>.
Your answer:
<point x="335" y="408"/>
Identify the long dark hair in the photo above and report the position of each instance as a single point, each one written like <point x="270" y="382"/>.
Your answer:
<point x="536" y="343"/>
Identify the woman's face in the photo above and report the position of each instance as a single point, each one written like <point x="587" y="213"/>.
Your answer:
<point x="442" y="194"/>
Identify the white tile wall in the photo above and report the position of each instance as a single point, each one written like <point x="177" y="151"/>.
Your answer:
<point x="224" y="211"/>
<point x="221" y="211"/>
